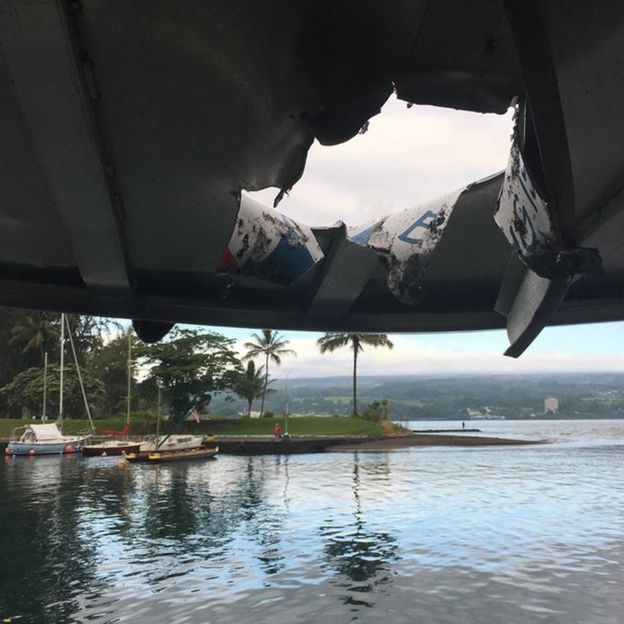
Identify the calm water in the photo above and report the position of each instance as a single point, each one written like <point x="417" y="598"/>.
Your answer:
<point x="527" y="534"/>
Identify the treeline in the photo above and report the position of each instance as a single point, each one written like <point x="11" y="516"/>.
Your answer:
<point x="187" y="369"/>
<point x="591" y="395"/>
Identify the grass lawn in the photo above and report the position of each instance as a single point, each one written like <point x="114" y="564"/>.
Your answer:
<point x="70" y="426"/>
<point x="301" y="425"/>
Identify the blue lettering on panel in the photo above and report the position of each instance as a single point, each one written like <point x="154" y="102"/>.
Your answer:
<point x="422" y="222"/>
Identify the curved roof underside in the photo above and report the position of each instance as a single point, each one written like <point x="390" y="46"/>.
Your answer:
<point x="130" y="128"/>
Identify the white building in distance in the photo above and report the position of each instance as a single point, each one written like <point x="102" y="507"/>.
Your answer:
<point x="551" y="405"/>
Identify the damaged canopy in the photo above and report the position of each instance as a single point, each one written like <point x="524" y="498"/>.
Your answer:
<point x="129" y="131"/>
<point x="267" y="244"/>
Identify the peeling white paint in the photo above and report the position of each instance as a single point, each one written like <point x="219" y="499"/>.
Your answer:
<point x="406" y="239"/>
<point x="280" y="248"/>
<point x="522" y="213"/>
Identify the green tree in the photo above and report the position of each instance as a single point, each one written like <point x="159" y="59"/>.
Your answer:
<point x="89" y="333"/>
<point x="11" y="358"/>
<point x="35" y="331"/>
<point x="249" y="384"/>
<point x="190" y="366"/>
<point x="356" y="342"/>
<point x="26" y="390"/>
<point x="109" y="364"/>
<point x="273" y="347"/>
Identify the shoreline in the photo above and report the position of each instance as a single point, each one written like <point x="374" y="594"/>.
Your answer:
<point x="393" y="443"/>
<point x="267" y="445"/>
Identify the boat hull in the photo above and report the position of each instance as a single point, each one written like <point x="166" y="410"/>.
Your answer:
<point x="42" y="448"/>
<point x="99" y="450"/>
<point x="161" y="457"/>
<point x="172" y="443"/>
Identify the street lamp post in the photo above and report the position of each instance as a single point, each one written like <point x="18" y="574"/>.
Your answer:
<point x="286" y="403"/>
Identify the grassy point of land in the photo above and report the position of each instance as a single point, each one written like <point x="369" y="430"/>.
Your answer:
<point x="301" y="425"/>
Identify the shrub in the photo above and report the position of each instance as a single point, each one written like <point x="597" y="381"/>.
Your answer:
<point x="268" y="415"/>
<point x="377" y="410"/>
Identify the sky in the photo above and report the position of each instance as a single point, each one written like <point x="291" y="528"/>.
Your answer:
<point x="408" y="156"/>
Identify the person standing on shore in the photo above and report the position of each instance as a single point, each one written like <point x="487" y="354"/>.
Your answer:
<point x="277" y="431"/>
<point x="463" y="425"/>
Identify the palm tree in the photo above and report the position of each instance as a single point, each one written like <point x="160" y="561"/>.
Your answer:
<point x="250" y="384"/>
<point x="34" y="331"/>
<point x="336" y="340"/>
<point x="272" y="346"/>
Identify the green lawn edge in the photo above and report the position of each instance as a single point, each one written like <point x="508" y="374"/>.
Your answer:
<point x="301" y="425"/>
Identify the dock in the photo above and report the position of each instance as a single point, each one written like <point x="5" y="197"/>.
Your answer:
<point x="265" y="445"/>
<point x="446" y="430"/>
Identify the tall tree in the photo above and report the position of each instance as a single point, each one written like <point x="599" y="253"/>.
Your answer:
<point x="90" y="334"/>
<point x="109" y="363"/>
<point x="249" y="384"/>
<point x="273" y="347"/>
<point x="35" y="331"/>
<point x="337" y="340"/>
<point x="26" y="390"/>
<point x="190" y="366"/>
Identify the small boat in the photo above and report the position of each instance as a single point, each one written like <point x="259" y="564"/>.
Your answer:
<point x="160" y="457"/>
<point x="114" y="445"/>
<point x="110" y="447"/>
<point x="43" y="440"/>
<point x="177" y="442"/>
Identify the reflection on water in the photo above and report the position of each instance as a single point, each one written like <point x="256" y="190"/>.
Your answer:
<point x="437" y="535"/>
<point x="360" y="555"/>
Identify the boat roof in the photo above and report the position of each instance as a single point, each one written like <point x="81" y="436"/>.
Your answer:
<point x="130" y="135"/>
<point x="45" y="432"/>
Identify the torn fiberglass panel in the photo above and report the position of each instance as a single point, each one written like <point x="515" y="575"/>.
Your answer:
<point x="406" y="239"/>
<point x="269" y="244"/>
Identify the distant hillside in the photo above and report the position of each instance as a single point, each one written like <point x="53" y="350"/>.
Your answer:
<point x="591" y="395"/>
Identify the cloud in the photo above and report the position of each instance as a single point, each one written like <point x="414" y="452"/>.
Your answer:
<point x="411" y="356"/>
<point x="408" y="156"/>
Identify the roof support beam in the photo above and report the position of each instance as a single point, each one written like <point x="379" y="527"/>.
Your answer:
<point x="347" y="269"/>
<point x="532" y="44"/>
<point x="55" y="89"/>
<point x="529" y="302"/>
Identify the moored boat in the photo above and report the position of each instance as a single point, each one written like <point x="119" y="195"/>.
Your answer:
<point x="179" y="442"/>
<point x="159" y="457"/>
<point x="114" y="445"/>
<point x="110" y="447"/>
<point x="43" y="440"/>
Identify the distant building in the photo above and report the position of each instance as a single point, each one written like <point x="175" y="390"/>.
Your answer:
<point x="551" y="405"/>
<point x="486" y="414"/>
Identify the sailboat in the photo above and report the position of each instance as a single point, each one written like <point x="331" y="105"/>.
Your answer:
<point x="172" y="447"/>
<point x="115" y="446"/>
<point x="47" y="439"/>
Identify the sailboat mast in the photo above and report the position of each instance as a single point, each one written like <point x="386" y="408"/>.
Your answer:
<point x="62" y="367"/>
<point x="45" y="386"/>
<point x="129" y="384"/>
<point x="82" y="388"/>
<point x="158" y="416"/>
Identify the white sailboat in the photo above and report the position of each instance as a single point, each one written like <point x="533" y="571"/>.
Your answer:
<point x="47" y="439"/>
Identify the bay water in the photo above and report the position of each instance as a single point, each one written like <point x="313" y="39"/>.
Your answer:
<point x="429" y="534"/>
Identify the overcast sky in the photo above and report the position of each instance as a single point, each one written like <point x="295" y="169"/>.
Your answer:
<point x="406" y="157"/>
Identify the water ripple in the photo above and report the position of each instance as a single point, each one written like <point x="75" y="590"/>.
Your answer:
<point x="438" y="535"/>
